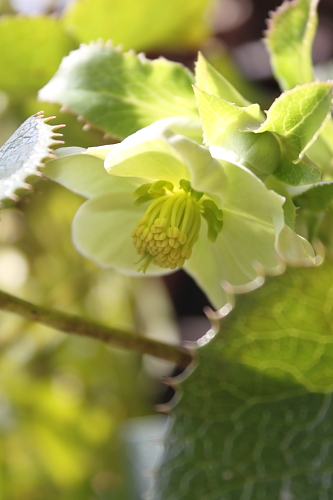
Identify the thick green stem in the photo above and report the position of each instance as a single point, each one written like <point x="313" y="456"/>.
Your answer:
<point x="80" y="326"/>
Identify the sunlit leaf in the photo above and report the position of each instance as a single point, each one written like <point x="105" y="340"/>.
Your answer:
<point x="121" y="92"/>
<point x="221" y="119"/>
<point x="23" y="153"/>
<point x="299" y="115"/>
<point x="255" y="415"/>
<point x="289" y="39"/>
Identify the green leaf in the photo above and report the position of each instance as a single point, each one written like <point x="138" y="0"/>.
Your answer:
<point x="23" y="154"/>
<point x="212" y="82"/>
<point x="289" y="40"/>
<point x="140" y="25"/>
<point x="221" y="119"/>
<point x="316" y="198"/>
<point x="121" y="93"/>
<point x="227" y="129"/>
<point x="255" y="416"/>
<point x="32" y="49"/>
<point x="299" y="115"/>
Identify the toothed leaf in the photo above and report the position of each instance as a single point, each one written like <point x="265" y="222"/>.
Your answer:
<point x="21" y="156"/>
<point x="121" y="92"/>
<point x="289" y="40"/>
<point x="255" y="416"/>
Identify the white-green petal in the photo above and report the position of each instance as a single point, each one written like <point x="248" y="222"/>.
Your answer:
<point x="234" y="256"/>
<point x="85" y="174"/>
<point x="206" y="173"/>
<point x="102" y="230"/>
<point x="148" y="154"/>
<point x="252" y="219"/>
<point x="253" y="233"/>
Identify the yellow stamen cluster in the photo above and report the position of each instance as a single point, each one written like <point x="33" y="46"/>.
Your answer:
<point x="165" y="235"/>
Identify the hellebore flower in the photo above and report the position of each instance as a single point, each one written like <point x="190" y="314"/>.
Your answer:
<point x="162" y="202"/>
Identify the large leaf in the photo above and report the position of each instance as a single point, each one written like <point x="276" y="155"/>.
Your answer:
<point x="254" y="417"/>
<point x="31" y="51"/>
<point x="121" y="92"/>
<point x="141" y="25"/>
<point x="289" y="39"/>
<point x="23" y="154"/>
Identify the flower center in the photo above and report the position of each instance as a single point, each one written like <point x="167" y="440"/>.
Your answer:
<point x="167" y="232"/>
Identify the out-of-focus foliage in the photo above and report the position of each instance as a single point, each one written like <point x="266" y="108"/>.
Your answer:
<point x="63" y="399"/>
<point x="140" y="25"/>
<point x="32" y="49"/>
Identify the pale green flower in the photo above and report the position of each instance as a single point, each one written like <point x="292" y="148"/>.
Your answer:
<point x="163" y="202"/>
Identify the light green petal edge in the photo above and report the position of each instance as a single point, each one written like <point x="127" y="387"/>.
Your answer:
<point x="102" y="230"/>
<point x="192" y="129"/>
<point x="100" y="152"/>
<point x="85" y="175"/>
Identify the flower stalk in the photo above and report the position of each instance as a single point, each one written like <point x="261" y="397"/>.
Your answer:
<point x="79" y="326"/>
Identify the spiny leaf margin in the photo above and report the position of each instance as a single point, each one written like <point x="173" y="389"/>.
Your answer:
<point x="23" y="154"/>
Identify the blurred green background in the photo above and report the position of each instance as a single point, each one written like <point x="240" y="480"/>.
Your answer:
<point x="64" y="401"/>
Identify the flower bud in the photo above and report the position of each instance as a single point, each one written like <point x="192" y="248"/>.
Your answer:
<point x="260" y="153"/>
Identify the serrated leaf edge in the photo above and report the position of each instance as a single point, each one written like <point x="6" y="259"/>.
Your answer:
<point x="100" y="42"/>
<point x="37" y="174"/>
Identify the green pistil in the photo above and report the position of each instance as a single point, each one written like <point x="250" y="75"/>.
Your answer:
<point x="167" y="232"/>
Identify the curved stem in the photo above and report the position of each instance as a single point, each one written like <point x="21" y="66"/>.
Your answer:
<point x="80" y="326"/>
